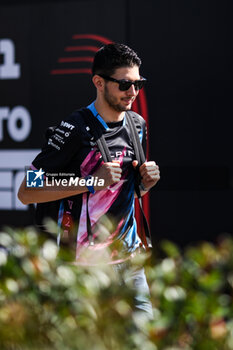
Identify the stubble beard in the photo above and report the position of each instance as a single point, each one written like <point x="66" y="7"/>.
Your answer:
<point x="112" y="102"/>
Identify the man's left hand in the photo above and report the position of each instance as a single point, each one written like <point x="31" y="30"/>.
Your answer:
<point x="149" y="172"/>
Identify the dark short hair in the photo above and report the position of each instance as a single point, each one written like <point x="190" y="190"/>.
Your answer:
<point x="112" y="56"/>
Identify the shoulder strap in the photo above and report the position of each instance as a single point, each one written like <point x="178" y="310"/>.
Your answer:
<point x="97" y="132"/>
<point x="140" y="157"/>
<point x="139" y="153"/>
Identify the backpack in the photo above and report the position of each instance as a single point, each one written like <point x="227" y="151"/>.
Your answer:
<point x="52" y="209"/>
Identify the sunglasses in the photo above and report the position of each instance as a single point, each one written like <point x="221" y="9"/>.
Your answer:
<point x="124" y="85"/>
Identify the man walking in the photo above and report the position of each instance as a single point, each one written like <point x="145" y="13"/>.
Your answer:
<point x="108" y="209"/>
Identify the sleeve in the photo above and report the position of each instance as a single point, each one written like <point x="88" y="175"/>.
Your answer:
<point x="63" y="141"/>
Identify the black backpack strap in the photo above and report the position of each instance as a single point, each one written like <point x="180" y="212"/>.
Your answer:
<point x="139" y="153"/>
<point x="97" y="132"/>
<point x="140" y="157"/>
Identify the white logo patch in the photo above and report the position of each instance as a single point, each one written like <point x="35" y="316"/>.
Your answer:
<point x="67" y="125"/>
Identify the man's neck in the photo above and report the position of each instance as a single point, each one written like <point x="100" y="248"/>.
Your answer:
<point x="108" y="114"/>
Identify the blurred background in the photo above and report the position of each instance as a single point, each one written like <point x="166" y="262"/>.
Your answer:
<point x="46" y="50"/>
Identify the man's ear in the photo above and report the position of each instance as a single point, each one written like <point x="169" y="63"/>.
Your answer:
<point x="98" y="82"/>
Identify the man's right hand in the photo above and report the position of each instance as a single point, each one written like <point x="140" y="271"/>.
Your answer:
<point x="110" y="172"/>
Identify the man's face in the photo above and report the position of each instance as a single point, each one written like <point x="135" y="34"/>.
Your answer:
<point x="121" y="100"/>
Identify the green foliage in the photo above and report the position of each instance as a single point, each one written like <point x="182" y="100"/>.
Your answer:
<point x="48" y="302"/>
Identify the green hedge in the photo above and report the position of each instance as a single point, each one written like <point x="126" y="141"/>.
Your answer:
<point x="46" y="302"/>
